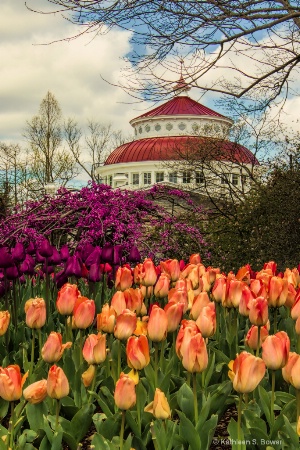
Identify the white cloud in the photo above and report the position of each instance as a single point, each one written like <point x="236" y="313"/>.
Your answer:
<point x="70" y="70"/>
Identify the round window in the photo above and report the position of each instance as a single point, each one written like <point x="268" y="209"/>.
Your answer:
<point x="157" y="127"/>
<point x="182" y="126"/>
<point x="140" y="130"/>
<point x="147" y="128"/>
<point x="169" y="126"/>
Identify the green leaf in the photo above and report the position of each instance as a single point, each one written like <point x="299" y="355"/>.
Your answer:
<point x="108" y="398"/>
<point x="207" y="432"/>
<point x="35" y="414"/>
<point x="209" y="370"/>
<point x="219" y="398"/>
<point x="110" y="427"/>
<point x="3" y="408"/>
<point x="70" y="441"/>
<point x="47" y="429"/>
<point x="185" y="399"/>
<point x="81" y="422"/>
<point x="132" y="423"/>
<point x="204" y="413"/>
<point x="238" y="441"/>
<point x="102" y="404"/>
<point x="291" y="432"/>
<point x="188" y="431"/>
<point x="57" y="441"/>
<point x="100" y="443"/>
<point x="265" y="402"/>
<point x="45" y="444"/>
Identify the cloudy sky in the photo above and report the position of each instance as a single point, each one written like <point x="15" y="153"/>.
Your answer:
<point x="72" y="71"/>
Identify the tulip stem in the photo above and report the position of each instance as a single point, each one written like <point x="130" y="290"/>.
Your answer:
<point x="81" y="345"/>
<point x="195" y="397"/>
<point x="272" y="395"/>
<point x="155" y="363"/>
<point x="138" y="410"/>
<point x="122" y="429"/>
<point x="93" y="384"/>
<point x="47" y="290"/>
<point x="119" y="359"/>
<point x="239" y="420"/>
<point x="40" y="341"/>
<point x="57" y="414"/>
<point x="258" y="340"/>
<point x="298" y="404"/>
<point x="10" y="437"/>
<point x="298" y="343"/>
<point x="32" y="351"/>
<point x="275" y="320"/>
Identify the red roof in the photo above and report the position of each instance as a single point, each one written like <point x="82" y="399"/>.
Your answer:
<point x="180" y="147"/>
<point x="181" y="105"/>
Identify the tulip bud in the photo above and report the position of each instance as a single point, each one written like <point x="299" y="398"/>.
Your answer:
<point x="36" y="392"/>
<point x="66" y="299"/>
<point x="94" y="349"/>
<point x="194" y="354"/>
<point x="157" y="324"/>
<point x="277" y="291"/>
<point x="275" y="350"/>
<point x="161" y="288"/>
<point x="18" y="253"/>
<point x="106" y="319"/>
<point x="137" y="351"/>
<point x="118" y="302"/>
<point x="57" y="383"/>
<point x="291" y="371"/>
<point x="73" y="267"/>
<point x="159" y="407"/>
<point x="171" y="267"/>
<point x="123" y="278"/>
<point x="195" y="258"/>
<point x="88" y="376"/>
<point x="199" y="302"/>
<point x="11" y="382"/>
<point x="125" y="395"/>
<point x="84" y="312"/>
<point x="53" y="348"/>
<point x="251" y="339"/>
<point x="35" y="310"/>
<point x="206" y="321"/>
<point x="4" y="322"/>
<point x="246" y="372"/>
<point x="174" y="313"/>
<point x="125" y="325"/>
<point x="45" y="248"/>
<point x="258" y="311"/>
<point x="133" y="299"/>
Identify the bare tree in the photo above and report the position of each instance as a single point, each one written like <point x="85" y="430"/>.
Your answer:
<point x="257" y="42"/>
<point x="50" y="161"/>
<point x="100" y="140"/>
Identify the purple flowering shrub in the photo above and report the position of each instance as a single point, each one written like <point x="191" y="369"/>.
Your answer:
<point x="160" y="222"/>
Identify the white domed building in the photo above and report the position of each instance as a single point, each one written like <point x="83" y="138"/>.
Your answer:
<point x="169" y="140"/>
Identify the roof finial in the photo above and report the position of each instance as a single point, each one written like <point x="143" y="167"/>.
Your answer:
<point x="181" y="88"/>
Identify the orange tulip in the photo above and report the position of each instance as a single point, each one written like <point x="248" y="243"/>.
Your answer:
<point x="125" y="395"/>
<point x="291" y="371"/>
<point x="243" y="274"/>
<point x="277" y="291"/>
<point x="57" y="383"/>
<point x="4" y="322"/>
<point x="246" y="297"/>
<point x="272" y="266"/>
<point x="66" y="299"/>
<point x="123" y="278"/>
<point x="199" y="302"/>
<point x="133" y="299"/>
<point x="94" y="349"/>
<point x="295" y="310"/>
<point x="35" y="310"/>
<point x="275" y="350"/>
<point x="118" y="302"/>
<point x="125" y="325"/>
<point x="174" y="313"/>
<point x="258" y="287"/>
<point x="251" y="339"/>
<point x="160" y="407"/>
<point x="179" y="295"/>
<point x="187" y="329"/>
<point x="234" y="292"/>
<point x="171" y="267"/>
<point x="137" y="351"/>
<point x="157" y="324"/>
<point x="191" y="273"/>
<point x="258" y="311"/>
<point x="84" y="312"/>
<point x="195" y="258"/>
<point x="146" y="274"/>
<point x="11" y="382"/>
<point x="141" y="326"/>
<point x="206" y="321"/>
<point x="194" y="354"/>
<point x="88" y="376"/>
<point x="219" y="289"/>
<point x="291" y="297"/>
<point x="162" y="286"/>
<point x="292" y="276"/>
<point x="246" y="372"/>
<point x="106" y="319"/>
<point x="36" y="392"/>
<point x="53" y="348"/>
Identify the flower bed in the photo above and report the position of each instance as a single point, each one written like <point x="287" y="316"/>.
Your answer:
<point x="148" y="356"/>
